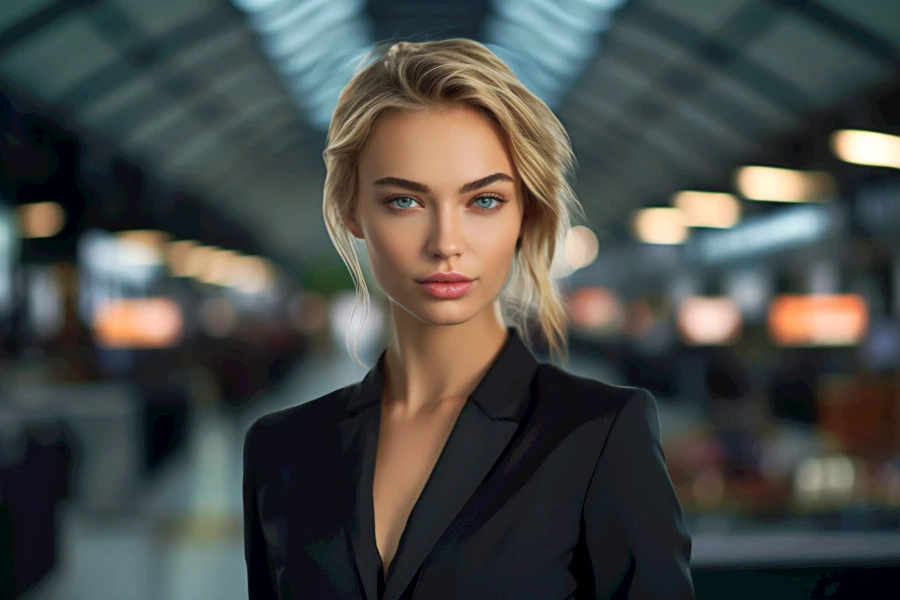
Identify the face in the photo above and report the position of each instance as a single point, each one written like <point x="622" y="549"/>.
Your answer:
<point x="438" y="193"/>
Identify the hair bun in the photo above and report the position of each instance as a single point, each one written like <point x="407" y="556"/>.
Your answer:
<point x="396" y="49"/>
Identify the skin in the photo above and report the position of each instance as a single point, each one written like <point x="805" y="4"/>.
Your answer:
<point x="439" y="349"/>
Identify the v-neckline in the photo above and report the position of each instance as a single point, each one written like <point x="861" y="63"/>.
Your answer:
<point x="483" y="428"/>
<point x="375" y="434"/>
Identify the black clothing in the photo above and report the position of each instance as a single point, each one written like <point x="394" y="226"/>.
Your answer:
<point x="550" y="486"/>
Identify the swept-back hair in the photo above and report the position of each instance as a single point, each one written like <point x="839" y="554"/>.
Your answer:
<point x="415" y="76"/>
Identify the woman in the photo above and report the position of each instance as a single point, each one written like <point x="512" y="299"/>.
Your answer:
<point x="460" y="467"/>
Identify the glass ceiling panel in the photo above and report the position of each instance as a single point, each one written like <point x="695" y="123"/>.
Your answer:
<point x="314" y="45"/>
<point x="548" y="43"/>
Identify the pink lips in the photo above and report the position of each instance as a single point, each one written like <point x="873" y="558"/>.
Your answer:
<point x="447" y="291"/>
<point x="447" y="286"/>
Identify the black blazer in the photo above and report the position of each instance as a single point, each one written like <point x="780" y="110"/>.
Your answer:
<point x="550" y="486"/>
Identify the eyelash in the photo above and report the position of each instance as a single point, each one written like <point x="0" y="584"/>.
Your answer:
<point x="500" y="199"/>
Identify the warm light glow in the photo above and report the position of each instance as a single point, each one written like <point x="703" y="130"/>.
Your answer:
<point x="826" y="320"/>
<point x="142" y="247"/>
<point x="771" y="184"/>
<point x="251" y="274"/>
<point x="825" y="479"/>
<point x="809" y="479"/>
<point x="709" y="321"/>
<point x="198" y="260"/>
<point x="581" y="247"/>
<point x="41" y="219"/>
<point x="147" y="237"/>
<point x="708" y="209"/>
<point x="866" y="148"/>
<point x="661" y="226"/>
<point x="218" y="267"/>
<point x="138" y="323"/>
<point x="178" y="255"/>
<point x="595" y="308"/>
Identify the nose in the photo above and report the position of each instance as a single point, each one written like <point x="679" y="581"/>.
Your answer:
<point x="446" y="235"/>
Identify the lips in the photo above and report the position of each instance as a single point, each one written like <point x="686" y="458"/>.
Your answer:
<point x="447" y="291"/>
<point x="446" y="278"/>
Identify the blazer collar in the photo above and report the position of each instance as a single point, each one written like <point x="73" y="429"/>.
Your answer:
<point x="482" y="432"/>
<point x="498" y="394"/>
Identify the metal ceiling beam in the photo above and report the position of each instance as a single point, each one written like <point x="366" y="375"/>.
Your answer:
<point x="625" y="130"/>
<point x="679" y="82"/>
<point x="418" y="21"/>
<point x="19" y="32"/>
<point x="682" y="83"/>
<point x="783" y="92"/>
<point x="155" y="52"/>
<point x="181" y="85"/>
<point x="139" y="53"/>
<point x="254" y="119"/>
<point x="875" y="45"/>
<point x="154" y="56"/>
<point x="714" y="52"/>
<point x="739" y="120"/>
<point x="259" y="157"/>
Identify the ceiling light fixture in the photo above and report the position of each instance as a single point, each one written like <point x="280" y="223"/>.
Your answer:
<point x="869" y="148"/>
<point x="772" y="184"/>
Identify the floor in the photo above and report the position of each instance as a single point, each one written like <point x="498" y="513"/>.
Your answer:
<point x="180" y="538"/>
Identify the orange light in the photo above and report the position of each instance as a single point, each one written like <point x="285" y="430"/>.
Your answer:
<point x="41" y="219"/>
<point x="821" y="320"/>
<point x="138" y="323"/>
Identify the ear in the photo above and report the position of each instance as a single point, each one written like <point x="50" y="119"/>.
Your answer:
<point x="353" y="226"/>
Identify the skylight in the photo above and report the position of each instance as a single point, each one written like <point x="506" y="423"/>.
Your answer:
<point x="315" y="45"/>
<point x="548" y="43"/>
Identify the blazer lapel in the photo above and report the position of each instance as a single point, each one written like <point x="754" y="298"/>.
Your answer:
<point x="482" y="431"/>
<point x="358" y="431"/>
<point x="484" y="428"/>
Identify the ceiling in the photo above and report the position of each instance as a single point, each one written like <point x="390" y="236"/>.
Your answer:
<point x="656" y="94"/>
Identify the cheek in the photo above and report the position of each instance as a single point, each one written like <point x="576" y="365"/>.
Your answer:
<point x="499" y="248"/>
<point x="390" y="250"/>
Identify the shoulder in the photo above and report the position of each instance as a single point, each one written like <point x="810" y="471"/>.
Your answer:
<point x="590" y="398"/>
<point x="298" y="421"/>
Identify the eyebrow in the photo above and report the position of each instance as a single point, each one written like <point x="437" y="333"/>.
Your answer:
<point x="415" y="186"/>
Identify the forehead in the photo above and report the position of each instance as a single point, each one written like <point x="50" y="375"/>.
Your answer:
<point x="454" y="143"/>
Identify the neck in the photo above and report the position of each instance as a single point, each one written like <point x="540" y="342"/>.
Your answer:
<point x="430" y="366"/>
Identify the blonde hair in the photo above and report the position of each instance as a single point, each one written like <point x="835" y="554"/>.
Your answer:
<point x="416" y="76"/>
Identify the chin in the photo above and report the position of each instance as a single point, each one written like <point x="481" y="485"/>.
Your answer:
<point x="441" y="322"/>
<point x="442" y="312"/>
<point x="443" y="315"/>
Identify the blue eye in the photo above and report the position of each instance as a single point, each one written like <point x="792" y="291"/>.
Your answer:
<point x="487" y="199"/>
<point x="484" y="203"/>
<point x="402" y="201"/>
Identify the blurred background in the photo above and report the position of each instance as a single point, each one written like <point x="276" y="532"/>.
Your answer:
<point x="166" y="277"/>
